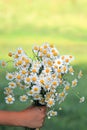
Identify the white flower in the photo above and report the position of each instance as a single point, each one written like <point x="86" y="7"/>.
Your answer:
<point x="23" y="98"/>
<point x="27" y="80"/>
<point x="71" y="70"/>
<point x="8" y="91"/>
<point x="18" y="77"/>
<point x="82" y="99"/>
<point x="74" y="83"/>
<point x="58" y="62"/>
<point x="80" y="74"/>
<point x="50" y="102"/>
<point x="20" y="51"/>
<point x="30" y="93"/>
<point x="3" y="63"/>
<point x="9" y="99"/>
<point x="37" y="96"/>
<point x="52" y="113"/>
<point x="34" y="78"/>
<point x="9" y="76"/>
<point x="36" y="89"/>
<point x="12" y="84"/>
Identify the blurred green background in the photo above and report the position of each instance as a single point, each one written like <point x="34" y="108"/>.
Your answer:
<point x="63" y="23"/>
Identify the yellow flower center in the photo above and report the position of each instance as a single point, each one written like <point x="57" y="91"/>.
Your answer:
<point x="10" y="54"/>
<point x="55" y="54"/>
<point x="50" y="102"/>
<point x="10" y="76"/>
<point x="67" y="60"/>
<point x="3" y="63"/>
<point x="35" y="89"/>
<point x="19" y="51"/>
<point x="70" y="57"/>
<point x="19" y="62"/>
<point x="44" y="52"/>
<point x="54" y="83"/>
<point x="63" y="57"/>
<point x="42" y="81"/>
<point x="16" y="56"/>
<point x="52" y="46"/>
<point x="34" y="79"/>
<point x="34" y="70"/>
<point x="58" y="70"/>
<point x="59" y="62"/>
<point x="67" y="87"/>
<point x="36" y="48"/>
<point x="18" y="77"/>
<point x="47" y="70"/>
<point x="64" y="68"/>
<point x="23" y="72"/>
<point x="62" y="94"/>
<point x="9" y="99"/>
<point x="28" y="79"/>
<point x="27" y="61"/>
<point x="45" y="46"/>
<point x="12" y="84"/>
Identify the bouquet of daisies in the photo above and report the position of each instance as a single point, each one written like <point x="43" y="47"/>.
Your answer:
<point x="43" y="77"/>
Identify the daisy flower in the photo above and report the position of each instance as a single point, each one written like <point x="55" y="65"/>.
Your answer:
<point x="8" y="91"/>
<point x="37" y="96"/>
<point x="27" y="80"/>
<point x="12" y="85"/>
<point x="71" y="70"/>
<point x="3" y="63"/>
<point x="23" y="98"/>
<point x="59" y="62"/>
<point x="80" y="74"/>
<point x="36" y="89"/>
<point x="74" y="83"/>
<point x="9" y="99"/>
<point x="20" y="51"/>
<point x="50" y="102"/>
<point x="82" y="99"/>
<point x="9" y="76"/>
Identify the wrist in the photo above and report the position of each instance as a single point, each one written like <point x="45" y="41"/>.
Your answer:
<point x="10" y="118"/>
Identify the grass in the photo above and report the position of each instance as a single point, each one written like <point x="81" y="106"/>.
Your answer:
<point x="63" y="23"/>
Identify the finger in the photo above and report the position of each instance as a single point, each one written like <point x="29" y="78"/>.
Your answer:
<point x="43" y="109"/>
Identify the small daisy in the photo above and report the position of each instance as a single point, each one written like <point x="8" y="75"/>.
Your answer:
<point x="34" y="78"/>
<point x="37" y="96"/>
<point x="9" y="99"/>
<point x="23" y="98"/>
<point x="27" y="80"/>
<point x="64" y="69"/>
<point x="8" y="91"/>
<point x="3" y="63"/>
<point x="12" y="85"/>
<point x="18" y="77"/>
<point x="36" y="89"/>
<point x="80" y="74"/>
<point x="52" y="113"/>
<point x="35" y="48"/>
<point x="9" y="76"/>
<point x="20" y="51"/>
<point x="82" y="99"/>
<point x="47" y="70"/>
<point x="42" y="101"/>
<point x="71" y="70"/>
<point x="74" y="82"/>
<point x="50" y="102"/>
<point x="59" y="62"/>
<point x="10" y="54"/>
<point x="30" y="93"/>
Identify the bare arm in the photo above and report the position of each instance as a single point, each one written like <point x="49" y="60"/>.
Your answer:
<point x="32" y="117"/>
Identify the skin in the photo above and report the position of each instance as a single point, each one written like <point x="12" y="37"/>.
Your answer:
<point x="32" y="117"/>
